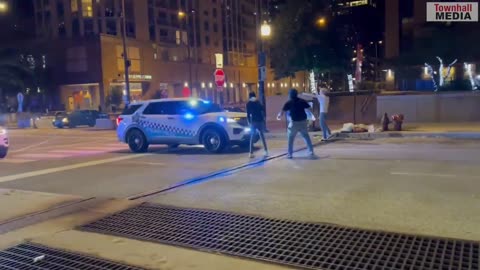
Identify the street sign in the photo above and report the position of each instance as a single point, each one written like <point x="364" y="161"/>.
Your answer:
<point x="350" y="82"/>
<point x="262" y="74"/>
<point x="219" y="77"/>
<point x="186" y="92"/>
<point x="219" y="60"/>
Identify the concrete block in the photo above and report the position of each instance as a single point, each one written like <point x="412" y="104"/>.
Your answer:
<point x="43" y="123"/>
<point x="104" y="124"/>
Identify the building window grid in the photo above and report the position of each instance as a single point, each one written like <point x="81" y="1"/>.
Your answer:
<point x="87" y="8"/>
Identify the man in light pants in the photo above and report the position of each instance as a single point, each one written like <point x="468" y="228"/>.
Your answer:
<point x="324" y="102"/>
<point x="298" y="123"/>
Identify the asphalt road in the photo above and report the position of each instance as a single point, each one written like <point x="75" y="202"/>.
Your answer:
<point x="424" y="186"/>
<point x="92" y="163"/>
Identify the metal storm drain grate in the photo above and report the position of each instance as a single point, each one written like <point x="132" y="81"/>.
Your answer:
<point x="37" y="257"/>
<point x="297" y="244"/>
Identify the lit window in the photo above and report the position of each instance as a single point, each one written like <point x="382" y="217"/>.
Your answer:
<point x="87" y="8"/>
<point x="74" y="5"/>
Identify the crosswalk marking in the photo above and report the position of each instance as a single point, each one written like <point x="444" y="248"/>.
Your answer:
<point x="66" y="153"/>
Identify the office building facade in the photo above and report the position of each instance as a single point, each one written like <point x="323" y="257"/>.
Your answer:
<point x="166" y="39"/>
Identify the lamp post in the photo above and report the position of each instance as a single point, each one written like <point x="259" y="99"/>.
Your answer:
<point x="184" y="17"/>
<point x="125" y="55"/>
<point x="265" y="31"/>
<point x="376" y="59"/>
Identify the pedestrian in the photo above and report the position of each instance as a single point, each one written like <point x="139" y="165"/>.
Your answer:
<point x="324" y="102"/>
<point x="295" y="107"/>
<point x="256" y="119"/>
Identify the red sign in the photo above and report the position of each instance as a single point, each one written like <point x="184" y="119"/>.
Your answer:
<point x="186" y="92"/>
<point x="219" y="77"/>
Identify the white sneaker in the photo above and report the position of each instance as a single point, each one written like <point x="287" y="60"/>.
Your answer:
<point x="251" y="155"/>
<point x="266" y="154"/>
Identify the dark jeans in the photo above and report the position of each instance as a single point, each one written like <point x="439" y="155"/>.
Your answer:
<point x="254" y="128"/>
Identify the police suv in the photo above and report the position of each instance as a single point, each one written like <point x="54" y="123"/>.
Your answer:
<point x="176" y="121"/>
<point x="3" y="142"/>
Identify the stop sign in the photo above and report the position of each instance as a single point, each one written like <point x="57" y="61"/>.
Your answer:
<point x="219" y="77"/>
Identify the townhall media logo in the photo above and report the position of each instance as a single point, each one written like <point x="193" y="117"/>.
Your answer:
<point x="452" y="11"/>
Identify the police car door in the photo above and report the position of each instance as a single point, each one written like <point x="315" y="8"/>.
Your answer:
<point x="154" y="121"/>
<point x="185" y="120"/>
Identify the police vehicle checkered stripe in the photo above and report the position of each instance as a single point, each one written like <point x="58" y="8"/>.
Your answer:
<point x="167" y="128"/>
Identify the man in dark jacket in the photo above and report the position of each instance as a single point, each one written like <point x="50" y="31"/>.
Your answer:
<point x="256" y="120"/>
<point x="298" y="122"/>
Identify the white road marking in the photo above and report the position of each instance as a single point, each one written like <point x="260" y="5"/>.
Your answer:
<point x="14" y="177"/>
<point x="30" y="146"/>
<point x="75" y="152"/>
<point x="43" y="156"/>
<point x="424" y="174"/>
<point x="105" y="149"/>
<point x="149" y="163"/>
<point x="16" y="160"/>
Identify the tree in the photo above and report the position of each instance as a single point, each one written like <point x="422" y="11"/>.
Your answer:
<point x="438" y="46"/>
<point x="448" y="42"/>
<point x="14" y="74"/>
<point x="302" y="43"/>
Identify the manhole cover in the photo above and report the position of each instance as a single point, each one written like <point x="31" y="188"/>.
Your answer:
<point x="298" y="244"/>
<point x="38" y="257"/>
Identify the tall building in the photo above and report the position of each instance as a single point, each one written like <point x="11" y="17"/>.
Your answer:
<point x="166" y="40"/>
<point x="16" y="20"/>
<point x="405" y="21"/>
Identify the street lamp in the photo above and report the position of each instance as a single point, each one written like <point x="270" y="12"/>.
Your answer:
<point x="126" y="62"/>
<point x="182" y="16"/>
<point x="3" y="7"/>
<point x="321" y="21"/>
<point x="265" y="32"/>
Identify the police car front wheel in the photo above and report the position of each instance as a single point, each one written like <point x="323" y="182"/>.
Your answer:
<point x="137" y="141"/>
<point x="214" y="141"/>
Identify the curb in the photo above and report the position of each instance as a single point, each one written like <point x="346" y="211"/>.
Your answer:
<point x="406" y="134"/>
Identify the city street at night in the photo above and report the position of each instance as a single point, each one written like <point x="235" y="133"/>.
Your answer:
<point x="396" y="185"/>
<point x="239" y="135"/>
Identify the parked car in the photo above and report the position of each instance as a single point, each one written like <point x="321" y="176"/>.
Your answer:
<point x="3" y="142"/>
<point x="178" y="121"/>
<point x="76" y="118"/>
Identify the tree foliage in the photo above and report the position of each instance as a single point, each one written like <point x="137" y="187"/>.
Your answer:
<point x="300" y="43"/>
<point x="14" y="74"/>
<point x="449" y="42"/>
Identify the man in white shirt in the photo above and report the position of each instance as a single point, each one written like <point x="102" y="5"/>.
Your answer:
<point x="324" y="102"/>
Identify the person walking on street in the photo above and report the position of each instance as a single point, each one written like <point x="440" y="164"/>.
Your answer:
<point x="256" y="119"/>
<point x="324" y="102"/>
<point x="298" y="122"/>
